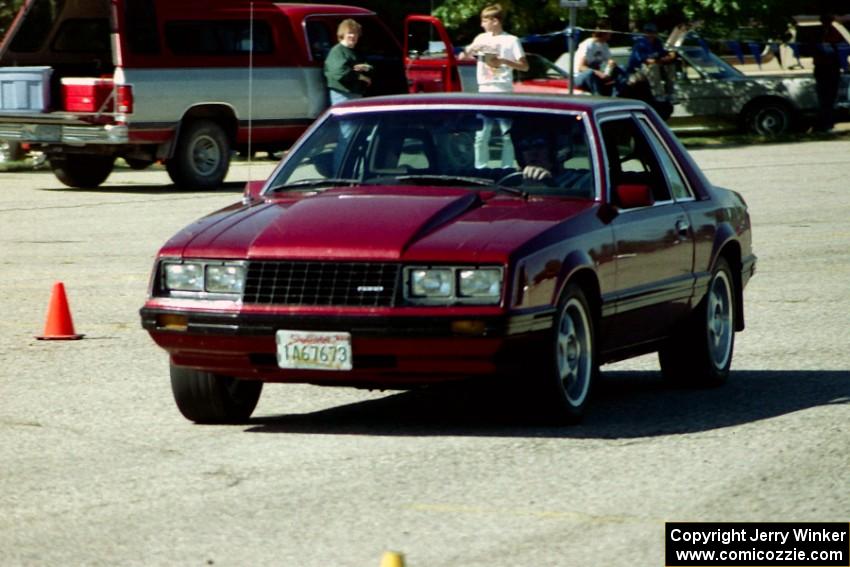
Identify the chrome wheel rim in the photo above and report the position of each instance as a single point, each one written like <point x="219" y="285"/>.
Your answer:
<point x="574" y="352"/>
<point x="720" y="320"/>
<point x="771" y="121"/>
<point x="206" y="155"/>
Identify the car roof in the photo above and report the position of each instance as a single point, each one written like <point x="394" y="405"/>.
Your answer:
<point x="580" y="103"/>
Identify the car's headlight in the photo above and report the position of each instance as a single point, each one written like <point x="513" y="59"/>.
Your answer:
<point x="483" y="283"/>
<point x="225" y="279"/>
<point x="203" y="278"/>
<point x="184" y="277"/>
<point x="453" y="284"/>
<point x="431" y="283"/>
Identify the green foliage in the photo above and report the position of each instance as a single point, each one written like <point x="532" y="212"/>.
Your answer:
<point x="8" y="9"/>
<point x="720" y="18"/>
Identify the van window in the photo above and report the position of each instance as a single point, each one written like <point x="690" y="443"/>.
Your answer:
<point x="37" y="25"/>
<point x="140" y="23"/>
<point x="207" y="37"/>
<point x="82" y="35"/>
<point x="376" y="40"/>
<point x="319" y="38"/>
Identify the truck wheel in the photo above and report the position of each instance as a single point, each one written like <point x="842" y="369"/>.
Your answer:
<point x="82" y="170"/>
<point x="204" y="397"/>
<point x="202" y="157"/>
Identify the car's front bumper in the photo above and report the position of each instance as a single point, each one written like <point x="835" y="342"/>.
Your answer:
<point x="388" y="352"/>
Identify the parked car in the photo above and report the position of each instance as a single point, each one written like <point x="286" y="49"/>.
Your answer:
<point x="542" y="76"/>
<point x="378" y="255"/>
<point x="712" y="94"/>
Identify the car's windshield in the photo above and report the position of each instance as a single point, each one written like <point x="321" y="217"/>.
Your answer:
<point x="467" y="147"/>
<point x="709" y="63"/>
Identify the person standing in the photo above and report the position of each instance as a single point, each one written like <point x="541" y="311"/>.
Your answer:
<point x="346" y="75"/>
<point x="346" y="71"/>
<point x="827" y="73"/>
<point x="499" y="54"/>
<point x="497" y="51"/>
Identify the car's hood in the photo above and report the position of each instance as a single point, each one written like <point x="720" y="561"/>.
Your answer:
<point x="376" y="224"/>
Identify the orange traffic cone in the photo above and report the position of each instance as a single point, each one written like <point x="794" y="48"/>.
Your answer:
<point x="59" y="325"/>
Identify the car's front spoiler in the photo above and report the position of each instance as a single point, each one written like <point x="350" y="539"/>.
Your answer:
<point x="387" y="351"/>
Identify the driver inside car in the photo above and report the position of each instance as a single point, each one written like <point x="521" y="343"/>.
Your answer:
<point x="541" y="161"/>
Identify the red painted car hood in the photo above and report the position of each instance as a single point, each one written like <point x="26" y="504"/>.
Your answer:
<point x="379" y="224"/>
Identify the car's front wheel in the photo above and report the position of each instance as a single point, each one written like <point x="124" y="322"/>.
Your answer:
<point x="571" y="369"/>
<point x="204" y="397"/>
<point x="701" y="355"/>
<point x="769" y="118"/>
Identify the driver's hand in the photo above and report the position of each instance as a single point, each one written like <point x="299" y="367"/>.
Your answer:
<point x="536" y="173"/>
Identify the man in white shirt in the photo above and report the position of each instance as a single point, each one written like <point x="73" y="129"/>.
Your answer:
<point x="498" y="54"/>
<point x="594" y="63"/>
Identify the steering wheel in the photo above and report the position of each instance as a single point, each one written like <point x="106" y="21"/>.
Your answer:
<point x="511" y="179"/>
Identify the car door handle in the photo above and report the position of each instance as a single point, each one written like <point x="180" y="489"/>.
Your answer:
<point x="682" y="227"/>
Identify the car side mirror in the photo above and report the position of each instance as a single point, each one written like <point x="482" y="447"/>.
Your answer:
<point x="252" y="190"/>
<point x="632" y="196"/>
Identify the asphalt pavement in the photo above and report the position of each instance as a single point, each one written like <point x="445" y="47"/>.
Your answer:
<point x="97" y="467"/>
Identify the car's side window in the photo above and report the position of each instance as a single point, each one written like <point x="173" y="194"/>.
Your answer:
<point x="631" y="159"/>
<point x="677" y="183"/>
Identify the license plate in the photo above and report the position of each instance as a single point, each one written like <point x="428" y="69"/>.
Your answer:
<point x="314" y="350"/>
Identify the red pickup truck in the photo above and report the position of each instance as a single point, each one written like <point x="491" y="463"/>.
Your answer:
<point x="182" y="82"/>
<point x="188" y="82"/>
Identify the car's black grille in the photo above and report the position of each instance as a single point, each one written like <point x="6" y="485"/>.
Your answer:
<point x="366" y="284"/>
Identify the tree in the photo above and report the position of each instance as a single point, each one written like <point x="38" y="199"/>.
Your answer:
<point x="8" y="9"/>
<point x="719" y="18"/>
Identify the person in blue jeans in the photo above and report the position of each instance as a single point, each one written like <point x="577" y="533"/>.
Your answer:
<point x="597" y="71"/>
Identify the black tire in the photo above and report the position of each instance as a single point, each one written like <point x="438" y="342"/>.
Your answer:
<point x="701" y="354"/>
<point x="569" y="375"/>
<point x="82" y="170"/>
<point x="202" y="156"/>
<point x="769" y="118"/>
<point x="204" y="397"/>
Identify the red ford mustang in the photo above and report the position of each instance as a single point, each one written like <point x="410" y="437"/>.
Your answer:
<point x="415" y="239"/>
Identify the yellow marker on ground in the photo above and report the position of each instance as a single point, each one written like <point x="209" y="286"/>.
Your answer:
<point x="392" y="559"/>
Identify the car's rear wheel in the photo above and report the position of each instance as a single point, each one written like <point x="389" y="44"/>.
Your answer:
<point x="770" y="118"/>
<point x="701" y="355"/>
<point x="204" y="397"/>
<point x="82" y="170"/>
<point x="572" y="367"/>
<point x="202" y="157"/>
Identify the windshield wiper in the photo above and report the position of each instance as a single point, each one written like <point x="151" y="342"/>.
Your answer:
<point x="468" y="179"/>
<point x="318" y="182"/>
